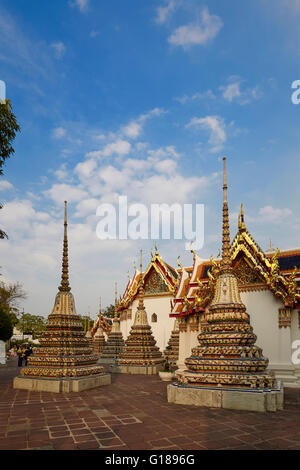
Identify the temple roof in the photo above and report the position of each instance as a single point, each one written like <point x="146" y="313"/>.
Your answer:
<point x="254" y="268"/>
<point x="166" y="278"/>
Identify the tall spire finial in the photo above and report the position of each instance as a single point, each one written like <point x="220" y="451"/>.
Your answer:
<point x="116" y="300"/>
<point x="100" y="313"/>
<point x="224" y="179"/>
<point x="242" y="225"/>
<point x="226" y="256"/>
<point x="141" y="282"/>
<point x="64" y="285"/>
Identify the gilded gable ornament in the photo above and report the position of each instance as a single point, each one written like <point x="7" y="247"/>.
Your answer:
<point x="247" y="275"/>
<point x="154" y="284"/>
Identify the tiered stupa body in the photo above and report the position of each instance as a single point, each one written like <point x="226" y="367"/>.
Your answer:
<point x="64" y="362"/>
<point x="115" y="342"/>
<point x="171" y="353"/>
<point x="141" y="355"/>
<point x="99" y="339"/>
<point x="89" y="337"/>
<point x="227" y="363"/>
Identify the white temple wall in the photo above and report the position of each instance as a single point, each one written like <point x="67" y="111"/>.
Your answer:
<point x="276" y="342"/>
<point x="263" y="309"/>
<point x="187" y="340"/>
<point x="160" y="305"/>
<point x="295" y="334"/>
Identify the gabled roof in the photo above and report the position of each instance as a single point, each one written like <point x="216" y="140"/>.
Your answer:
<point x="168" y="275"/>
<point x="279" y="272"/>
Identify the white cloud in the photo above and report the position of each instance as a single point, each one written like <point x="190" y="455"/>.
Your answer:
<point x="85" y="169"/>
<point x="166" y="166"/>
<point x="81" y="4"/>
<point x="216" y="126"/>
<point x="199" y="33"/>
<point x="132" y="130"/>
<point x="164" y="12"/>
<point x="59" y="133"/>
<point x="196" y="96"/>
<point x="135" y="128"/>
<point x="274" y="215"/>
<point x="86" y="207"/>
<point x="65" y="192"/>
<point x="19" y="215"/>
<point x="59" y="49"/>
<point x="120" y="147"/>
<point x="5" y="185"/>
<point x="233" y="92"/>
<point x="62" y="172"/>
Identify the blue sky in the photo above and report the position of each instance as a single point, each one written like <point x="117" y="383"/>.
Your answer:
<point x="143" y="99"/>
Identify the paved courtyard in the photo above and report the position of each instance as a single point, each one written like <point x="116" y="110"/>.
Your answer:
<point x="133" y="413"/>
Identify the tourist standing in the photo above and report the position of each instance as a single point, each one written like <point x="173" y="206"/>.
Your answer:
<point x="20" y="352"/>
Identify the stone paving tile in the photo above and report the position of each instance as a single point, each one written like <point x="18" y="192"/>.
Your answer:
<point x="133" y="413"/>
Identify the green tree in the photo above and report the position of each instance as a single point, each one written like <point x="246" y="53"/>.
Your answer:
<point x="8" y="129"/>
<point x="6" y="326"/>
<point x="11" y="294"/>
<point x="31" y="324"/>
<point x="109" y="311"/>
<point x="87" y="322"/>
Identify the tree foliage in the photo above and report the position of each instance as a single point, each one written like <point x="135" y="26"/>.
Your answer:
<point x="8" y="129"/>
<point x="87" y="323"/>
<point x="109" y="311"/>
<point x="31" y="324"/>
<point x="6" y="326"/>
<point x="11" y="294"/>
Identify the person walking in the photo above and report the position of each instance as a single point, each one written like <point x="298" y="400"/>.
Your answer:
<point x="20" y="352"/>
<point x="28" y="352"/>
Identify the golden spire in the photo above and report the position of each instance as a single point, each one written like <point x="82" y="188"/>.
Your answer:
<point x="271" y="248"/>
<point x="141" y="291"/>
<point x="100" y="313"/>
<point x="156" y="250"/>
<point x="64" y="285"/>
<point x="242" y="225"/>
<point x="226" y="255"/>
<point x="141" y="280"/>
<point x="116" y="301"/>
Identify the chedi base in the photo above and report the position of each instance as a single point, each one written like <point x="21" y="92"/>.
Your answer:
<point x="62" y="385"/>
<point x="151" y="369"/>
<point x="233" y="399"/>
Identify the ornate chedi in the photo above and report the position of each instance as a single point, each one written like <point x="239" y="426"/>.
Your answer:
<point x="141" y="355"/>
<point x="88" y="334"/>
<point x="99" y="339"/>
<point x="171" y="353"/>
<point x="64" y="361"/>
<point x="227" y="364"/>
<point x="115" y="343"/>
